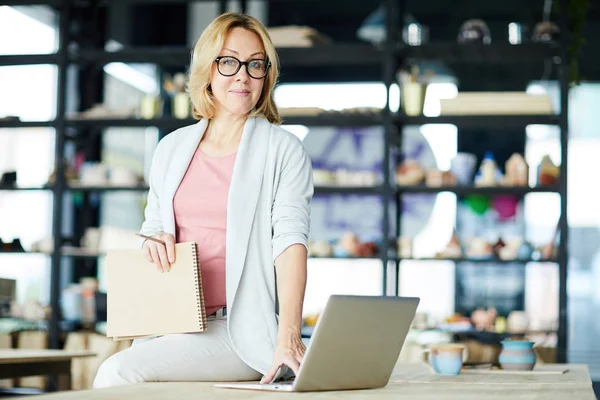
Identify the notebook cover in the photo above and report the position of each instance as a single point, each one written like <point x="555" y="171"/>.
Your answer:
<point x="142" y="302"/>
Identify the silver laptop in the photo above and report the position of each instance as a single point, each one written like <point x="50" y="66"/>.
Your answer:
<point x="355" y="345"/>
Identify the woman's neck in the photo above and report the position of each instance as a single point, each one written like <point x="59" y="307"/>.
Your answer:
<point x="223" y="135"/>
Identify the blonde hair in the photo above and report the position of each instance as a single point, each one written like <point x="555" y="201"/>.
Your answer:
<point x="209" y="46"/>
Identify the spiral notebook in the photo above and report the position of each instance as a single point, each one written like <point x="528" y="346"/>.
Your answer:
<point x="143" y="302"/>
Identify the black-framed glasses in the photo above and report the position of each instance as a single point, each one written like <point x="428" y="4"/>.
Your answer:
<point x="229" y="66"/>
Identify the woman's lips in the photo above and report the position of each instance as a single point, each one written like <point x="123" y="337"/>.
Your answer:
<point x="241" y="92"/>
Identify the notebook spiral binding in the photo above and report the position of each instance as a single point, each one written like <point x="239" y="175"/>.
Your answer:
<point x="199" y="290"/>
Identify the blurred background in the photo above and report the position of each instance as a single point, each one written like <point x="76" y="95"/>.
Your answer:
<point x="453" y="147"/>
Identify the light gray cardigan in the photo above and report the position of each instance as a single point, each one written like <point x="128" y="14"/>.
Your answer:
<point x="267" y="211"/>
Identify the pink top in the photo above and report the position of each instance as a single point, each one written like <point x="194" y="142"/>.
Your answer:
<point x="200" y="207"/>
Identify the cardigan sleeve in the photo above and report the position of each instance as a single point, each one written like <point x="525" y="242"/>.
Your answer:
<point x="290" y="213"/>
<point x="152" y="221"/>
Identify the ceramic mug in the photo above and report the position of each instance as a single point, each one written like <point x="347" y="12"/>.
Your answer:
<point x="446" y="359"/>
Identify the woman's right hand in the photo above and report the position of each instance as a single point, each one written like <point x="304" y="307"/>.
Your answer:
<point x="161" y="255"/>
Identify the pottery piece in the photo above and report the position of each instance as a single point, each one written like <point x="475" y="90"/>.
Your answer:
<point x="182" y="106"/>
<point x="438" y="178"/>
<point x="322" y="177"/>
<point x="348" y="246"/>
<point x="517" y="355"/>
<point x="474" y="31"/>
<point x="548" y="172"/>
<point x="367" y="249"/>
<point x="452" y="250"/>
<point x="434" y="178"/>
<point x="516" y="171"/>
<point x="409" y="173"/>
<point x="479" y="248"/>
<point x="500" y="325"/>
<point x="499" y="246"/>
<point x="462" y="167"/>
<point x="525" y="251"/>
<point x="446" y="359"/>
<point x="321" y="248"/>
<point x="488" y="174"/>
<point x="510" y="251"/>
<point x="413" y="98"/>
<point x="545" y="32"/>
<point x="150" y="107"/>
<point x="484" y="319"/>
<point x="404" y="244"/>
<point x="518" y="322"/>
<point x="549" y="251"/>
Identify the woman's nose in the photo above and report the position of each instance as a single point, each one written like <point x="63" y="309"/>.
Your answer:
<point x="242" y="74"/>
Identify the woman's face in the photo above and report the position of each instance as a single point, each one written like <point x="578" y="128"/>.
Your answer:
<point x="238" y="94"/>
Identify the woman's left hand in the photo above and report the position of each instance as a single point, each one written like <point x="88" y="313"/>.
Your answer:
<point x="289" y="353"/>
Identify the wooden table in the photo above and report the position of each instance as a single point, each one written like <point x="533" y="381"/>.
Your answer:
<point x="409" y="381"/>
<point x="16" y="363"/>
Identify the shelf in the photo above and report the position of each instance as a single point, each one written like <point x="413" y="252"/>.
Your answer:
<point x="497" y="122"/>
<point x="15" y="123"/>
<point x="331" y="63"/>
<point x="330" y="119"/>
<point x="72" y="251"/>
<point x="335" y="119"/>
<point x="23" y="253"/>
<point x="470" y="190"/>
<point x="162" y="2"/>
<point x="486" y="334"/>
<point x="67" y="251"/>
<point x="307" y="331"/>
<point x="27" y="59"/>
<point x="325" y="119"/>
<point x="346" y="54"/>
<point x="53" y="3"/>
<point x="163" y="55"/>
<point x="494" y="53"/>
<point x="81" y="188"/>
<point x="480" y="260"/>
<point x="348" y="189"/>
<point x="17" y="189"/>
<point x="160" y="123"/>
<point x="107" y="188"/>
<point x="325" y="55"/>
<point x="344" y="258"/>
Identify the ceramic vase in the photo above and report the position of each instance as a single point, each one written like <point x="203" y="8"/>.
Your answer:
<point x="517" y="355"/>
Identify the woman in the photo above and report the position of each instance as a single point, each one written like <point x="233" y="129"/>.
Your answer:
<point x="239" y="186"/>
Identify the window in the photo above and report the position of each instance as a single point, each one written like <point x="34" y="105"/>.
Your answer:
<point x="28" y="92"/>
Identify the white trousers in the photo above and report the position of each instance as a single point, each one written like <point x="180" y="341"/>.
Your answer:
<point x="206" y="356"/>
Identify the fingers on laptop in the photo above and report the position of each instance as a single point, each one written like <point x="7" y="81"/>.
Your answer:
<point x="269" y="376"/>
